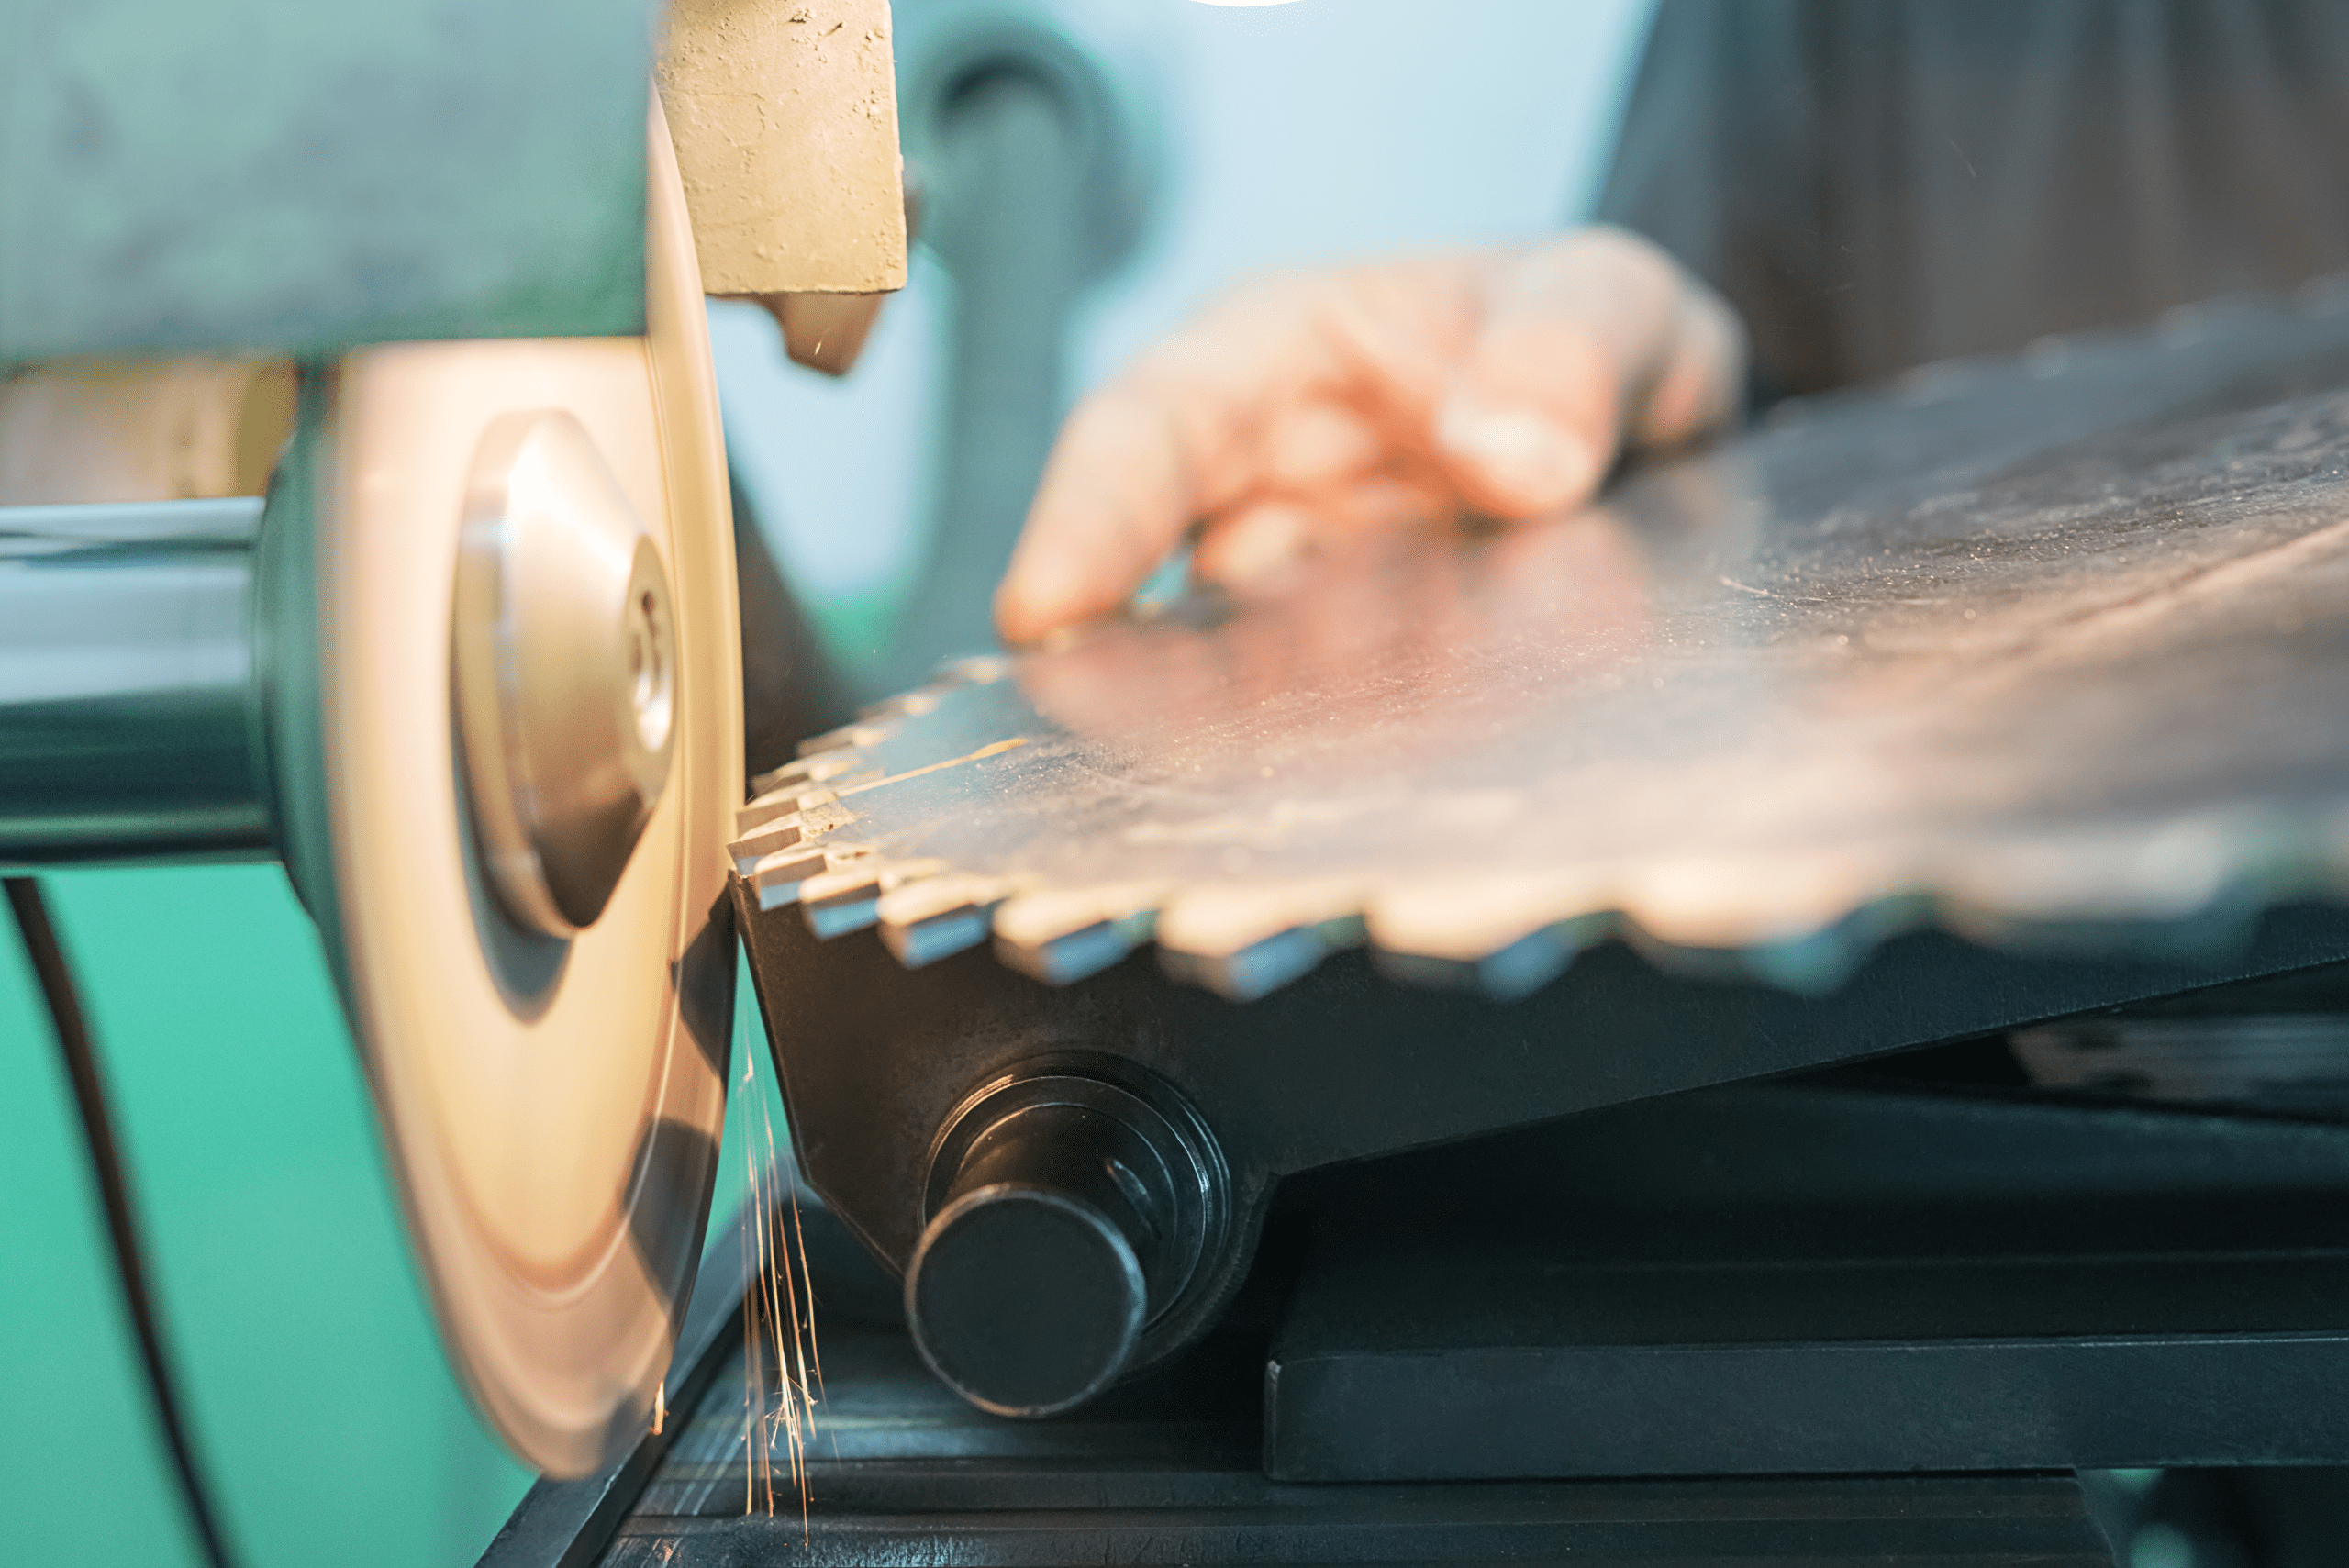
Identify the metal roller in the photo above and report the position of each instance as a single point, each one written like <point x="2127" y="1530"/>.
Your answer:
<point x="1071" y="1205"/>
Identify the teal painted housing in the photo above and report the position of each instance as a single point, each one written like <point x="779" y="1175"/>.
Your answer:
<point x="330" y="1425"/>
<point x="325" y="1413"/>
<point x="188" y="175"/>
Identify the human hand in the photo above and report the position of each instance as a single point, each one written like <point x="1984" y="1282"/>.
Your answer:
<point x="1307" y="407"/>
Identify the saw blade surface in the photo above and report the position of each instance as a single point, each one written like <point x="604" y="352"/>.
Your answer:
<point x="2040" y="649"/>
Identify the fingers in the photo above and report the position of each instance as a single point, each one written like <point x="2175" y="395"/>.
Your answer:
<point x="1574" y="336"/>
<point x="1319" y="446"/>
<point x="1111" y="503"/>
<point x="1162" y="445"/>
<point x="1259" y="539"/>
<point x="1256" y="542"/>
<point x="1289" y="389"/>
<point x="1321" y="406"/>
<point x="1317" y="472"/>
<point x="1702" y="382"/>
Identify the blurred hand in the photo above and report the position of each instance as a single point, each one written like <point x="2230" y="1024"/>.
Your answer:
<point x="1307" y="407"/>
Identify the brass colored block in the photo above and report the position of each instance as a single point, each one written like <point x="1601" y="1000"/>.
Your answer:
<point x="784" y="114"/>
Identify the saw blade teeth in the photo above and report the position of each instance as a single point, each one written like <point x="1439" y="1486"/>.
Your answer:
<point x="1517" y="969"/>
<point x="849" y="736"/>
<point x="1073" y="955"/>
<point x="1800" y="922"/>
<point x="820" y="814"/>
<point x="766" y="808"/>
<point x="836" y="903"/>
<point x="1531" y="962"/>
<point x="1861" y="740"/>
<point x="912" y="900"/>
<point x="1727" y="902"/>
<point x="1212" y="921"/>
<point x="925" y="920"/>
<point x="762" y="810"/>
<point x="847" y="898"/>
<point x="1465" y="920"/>
<point x="1816" y="963"/>
<point x="777" y="878"/>
<point x="918" y="943"/>
<point x="1245" y="942"/>
<point x="1245" y="973"/>
<point x="794" y="778"/>
<point x="783" y="833"/>
<point x="1037" y="918"/>
<point x="816" y="806"/>
<point x="1064" y="935"/>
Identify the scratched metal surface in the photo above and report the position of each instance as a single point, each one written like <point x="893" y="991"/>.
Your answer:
<point x="2048" y="650"/>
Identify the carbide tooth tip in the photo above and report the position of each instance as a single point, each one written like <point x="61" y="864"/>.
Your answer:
<point x="837" y="902"/>
<point x="777" y="878"/>
<point x="1032" y="920"/>
<point x="932" y="892"/>
<point x="784" y="833"/>
<point x="926" y="916"/>
<point x="1068" y="958"/>
<point x="1071" y="954"/>
<point x="919" y="943"/>
<point x="842" y="739"/>
<point x="795" y="779"/>
<point x="1259" y="969"/>
<point x="767" y="808"/>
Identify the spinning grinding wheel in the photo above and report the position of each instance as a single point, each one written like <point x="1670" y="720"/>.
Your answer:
<point x="552" y="1099"/>
<point x="502" y="786"/>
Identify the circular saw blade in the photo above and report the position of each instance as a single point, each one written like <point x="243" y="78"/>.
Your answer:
<point x="552" y="1108"/>
<point x="2044" y="654"/>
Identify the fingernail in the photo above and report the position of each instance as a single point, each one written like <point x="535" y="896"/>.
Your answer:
<point x="1532" y="463"/>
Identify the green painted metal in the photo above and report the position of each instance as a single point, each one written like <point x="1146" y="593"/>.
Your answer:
<point x="220" y="174"/>
<point x="79" y="1443"/>
<point x="318" y="1391"/>
<point x="319" y="1396"/>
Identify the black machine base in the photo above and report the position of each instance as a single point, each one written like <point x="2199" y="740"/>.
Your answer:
<point x="903" y="1473"/>
<point x="1825" y="1278"/>
<point x="1881" y="1314"/>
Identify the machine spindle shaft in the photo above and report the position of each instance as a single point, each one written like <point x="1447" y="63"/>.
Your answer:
<point x="131" y="709"/>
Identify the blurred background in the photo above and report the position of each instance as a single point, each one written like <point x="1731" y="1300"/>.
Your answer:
<point x="1090" y="172"/>
<point x="1089" y="175"/>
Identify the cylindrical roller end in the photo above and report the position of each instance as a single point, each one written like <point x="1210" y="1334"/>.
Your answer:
<point x="1065" y="1213"/>
<point x="1026" y="1301"/>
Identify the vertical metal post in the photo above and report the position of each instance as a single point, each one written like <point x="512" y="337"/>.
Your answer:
<point x="1035" y="158"/>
